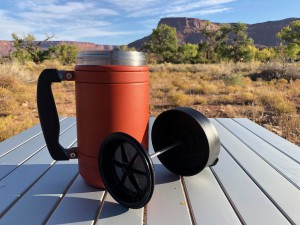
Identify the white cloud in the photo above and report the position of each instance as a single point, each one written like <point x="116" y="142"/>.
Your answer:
<point x="63" y="11"/>
<point x="88" y="33"/>
<point x="177" y="5"/>
<point x="25" y="4"/>
<point x="88" y="19"/>
<point x="185" y="6"/>
<point x="133" y="5"/>
<point x="69" y="8"/>
<point x="85" y="19"/>
<point x="200" y="12"/>
<point x="182" y="7"/>
<point x="10" y="25"/>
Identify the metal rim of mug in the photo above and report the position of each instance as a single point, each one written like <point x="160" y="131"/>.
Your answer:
<point x="114" y="57"/>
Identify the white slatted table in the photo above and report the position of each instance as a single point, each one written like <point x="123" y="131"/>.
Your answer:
<point x="256" y="181"/>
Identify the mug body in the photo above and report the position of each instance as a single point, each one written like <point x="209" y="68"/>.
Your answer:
<point x="109" y="98"/>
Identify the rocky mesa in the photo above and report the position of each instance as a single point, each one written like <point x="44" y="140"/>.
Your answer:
<point x="189" y="30"/>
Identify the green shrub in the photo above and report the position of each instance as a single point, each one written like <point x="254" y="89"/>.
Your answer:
<point x="277" y="103"/>
<point x="176" y="98"/>
<point x="234" y="80"/>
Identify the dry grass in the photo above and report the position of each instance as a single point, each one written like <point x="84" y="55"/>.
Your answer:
<point x="226" y="90"/>
<point x="223" y="90"/>
<point x="18" y="97"/>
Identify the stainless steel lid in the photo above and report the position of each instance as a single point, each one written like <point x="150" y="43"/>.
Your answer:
<point x="93" y="58"/>
<point x="128" y="58"/>
<point x="115" y="57"/>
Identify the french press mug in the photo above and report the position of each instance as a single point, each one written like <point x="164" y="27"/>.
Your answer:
<point x="111" y="89"/>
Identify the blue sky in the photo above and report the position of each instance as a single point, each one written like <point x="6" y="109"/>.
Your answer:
<point x="119" y="22"/>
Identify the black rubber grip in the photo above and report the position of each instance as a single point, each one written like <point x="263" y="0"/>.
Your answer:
<point x="48" y="113"/>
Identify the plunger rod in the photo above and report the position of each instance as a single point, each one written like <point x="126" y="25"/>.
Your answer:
<point x="169" y="147"/>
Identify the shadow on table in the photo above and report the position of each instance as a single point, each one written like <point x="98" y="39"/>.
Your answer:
<point x="112" y="209"/>
<point x="163" y="175"/>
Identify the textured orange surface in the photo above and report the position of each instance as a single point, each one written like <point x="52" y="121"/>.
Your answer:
<point x="108" y="99"/>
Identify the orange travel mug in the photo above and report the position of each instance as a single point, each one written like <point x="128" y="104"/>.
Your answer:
<point x="112" y="95"/>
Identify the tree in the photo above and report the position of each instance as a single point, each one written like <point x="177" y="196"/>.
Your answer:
<point x="215" y="41"/>
<point x="209" y="44"/>
<point x="65" y="53"/>
<point x="163" y="42"/>
<point x="265" y="54"/>
<point x="224" y="52"/>
<point x="19" y="53"/>
<point x="187" y="53"/>
<point x="27" y="48"/>
<point x="249" y="53"/>
<point x="229" y="42"/>
<point x="292" y="51"/>
<point x="126" y="48"/>
<point x="290" y="34"/>
<point x="240" y="41"/>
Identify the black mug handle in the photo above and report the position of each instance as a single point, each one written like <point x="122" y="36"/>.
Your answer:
<point x="48" y="113"/>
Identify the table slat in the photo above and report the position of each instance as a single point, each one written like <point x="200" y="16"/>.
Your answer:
<point x="278" y="142"/>
<point x="252" y="205"/>
<point x="37" y="204"/>
<point x="168" y="198"/>
<point x="16" y="157"/>
<point x="285" y="165"/>
<point x="80" y="205"/>
<point x="21" y="138"/>
<point x="208" y="201"/>
<point x="13" y="186"/>
<point x="113" y="213"/>
<point x="278" y="189"/>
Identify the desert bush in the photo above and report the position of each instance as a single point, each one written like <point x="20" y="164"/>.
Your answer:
<point x="282" y="81"/>
<point x="181" y="84"/>
<point x="232" y="89"/>
<point x="26" y="95"/>
<point x="7" y="101"/>
<point x="199" y="100"/>
<point x="255" y="112"/>
<point x="157" y="94"/>
<point x="267" y="72"/>
<point x="290" y="126"/>
<point x="178" y="98"/>
<point x="246" y="97"/>
<point x="277" y="103"/>
<point x="222" y="99"/>
<point x="14" y="93"/>
<point x="230" y="111"/>
<point x="194" y="89"/>
<point x="8" y="82"/>
<point x="234" y="80"/>
<point x="284" y="107"/>
<point x="294" y="90"/>
<point x="51" y="64"/>
<point x="16" y="70"/>
<point x="247" y="81"/>
<point x="156" y="68"/>
<point x="206" y="88"/>
<point x="10" y="126"/>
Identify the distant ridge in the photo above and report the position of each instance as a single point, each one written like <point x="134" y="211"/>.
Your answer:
<point x="6" y="46"/>
<point x="263" y="34"/>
